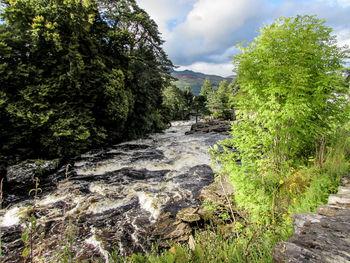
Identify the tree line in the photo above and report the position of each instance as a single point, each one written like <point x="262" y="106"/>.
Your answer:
<point x="77" y="74"/>
<point x="213" y="102"/>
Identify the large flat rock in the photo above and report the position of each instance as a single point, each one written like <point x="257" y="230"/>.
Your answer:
<point x="321" y="237"/>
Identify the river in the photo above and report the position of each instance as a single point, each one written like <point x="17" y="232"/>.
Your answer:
<point x="109" y="199"/>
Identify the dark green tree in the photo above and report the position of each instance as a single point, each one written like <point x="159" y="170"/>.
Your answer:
<point x="148" y="67"/>
<point x="199" y="107"/>
<point x="220" y="101"/>
<point x="174" y="102"/>
<point x="78" y="74"/>
<point x="188" y="96"/>
<point x="206" y="90"/>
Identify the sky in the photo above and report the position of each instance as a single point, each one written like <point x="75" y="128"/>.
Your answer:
<point x="201" y="35"/>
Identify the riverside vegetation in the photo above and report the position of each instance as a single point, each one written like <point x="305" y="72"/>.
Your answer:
<point x="290" y="146"/>
<point x="78" y="74"/>
<point x="99" y="82"/>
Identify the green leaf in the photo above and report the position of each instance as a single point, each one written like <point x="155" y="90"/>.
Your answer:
<point x="25" y="237"/>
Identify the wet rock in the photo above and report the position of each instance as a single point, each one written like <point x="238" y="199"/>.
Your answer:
<point x="218" y="126"/>
<point x="111" y="199"/>
<point x="188" y="214"/>
<point x="11" y="243"/>
<point x="193" y="182"/>
<point x="25" y="172"/>
<point x="21" y="179"/>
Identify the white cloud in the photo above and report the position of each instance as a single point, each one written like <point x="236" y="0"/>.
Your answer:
<point x="211" y="20"/>
<point x="213" y="27"/>
<point x="345" y="3"/>
<point x="343" y="37"/>
<point x="166" y="10"/>
<point x="202" y="33"/>
<point x="222" y="69"/>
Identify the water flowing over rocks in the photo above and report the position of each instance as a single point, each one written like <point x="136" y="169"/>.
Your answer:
<point x="219" y="126"/>
<point x="321" y="237"/>
<point x="112" y="199"/>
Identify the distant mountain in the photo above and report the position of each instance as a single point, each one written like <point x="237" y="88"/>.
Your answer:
<point x="195" y="80"/>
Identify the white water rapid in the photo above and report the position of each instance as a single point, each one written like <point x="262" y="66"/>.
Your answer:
<point x="111" y="197"/>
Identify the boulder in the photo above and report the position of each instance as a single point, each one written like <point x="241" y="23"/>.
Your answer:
<point x="219" y="126"/>
<point x="189" y="215"/>
<point x="316" y="239"/>
<point x="25" y="172"/>
<point x="217" y="193"/>
<point x="332" y="210"/>
<point x="321" y="237"/>
<point x="169" y="230"/>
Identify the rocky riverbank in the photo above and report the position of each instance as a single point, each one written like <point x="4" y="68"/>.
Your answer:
<point x="110" y="199"/>
<point x="320" y="237"/>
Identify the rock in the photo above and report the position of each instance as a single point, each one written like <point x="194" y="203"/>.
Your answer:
<point x="339" y="199"/>
<point x="218" y="126"/>
<point x="191" y="243"/>
<point x="217" y="193"/>
<point x="188" y="214"/>
<point x="322" y="237"/>
<point x="344" y="190"/>
<point x="169" y="230"/>
<point x="346" y="180"/>
<point x="303" y="220"/>
<point x="332" y="210"/>
<point x="290" y="252"/>
<point x="316" y="239"/>
<point x="25" y="172"/>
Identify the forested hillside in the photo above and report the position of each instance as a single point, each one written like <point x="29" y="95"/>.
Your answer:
<point x="78" y="74"/>
<point x="195" y="80"/>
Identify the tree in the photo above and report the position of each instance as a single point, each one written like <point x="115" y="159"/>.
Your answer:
<point x="77" y="74"/>
<point x="206" y="90"/>
<point x="174" y="102"/>
<point x="199" y="106"/>
<point x="292" y="96"/>
<point x="291" y="89"/>
<point x="148" y="68"/>
<point x="219" y="102"/>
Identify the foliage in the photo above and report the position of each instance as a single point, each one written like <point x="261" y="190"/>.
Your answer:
<point x="292" y="94"/>
<point x="290" y="102"/>
<point x="77" y="74"/>
<point x="177" y="102"/>
<point x="198" y="106"/>
<point x="220" y="101"/>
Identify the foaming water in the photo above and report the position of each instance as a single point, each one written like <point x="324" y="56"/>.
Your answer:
<point x="112" y="197"/>
<point x="13" y="216"/>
